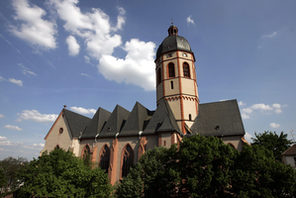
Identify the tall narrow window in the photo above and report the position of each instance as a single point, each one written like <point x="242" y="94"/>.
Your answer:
<point x="171" y="68"/>
<point x="186" y="70"/>
<point x="127" y="160"/>
<point x="86" y="155"/>
<point x="105" y="158"/>
<point x="190" y="117"/>
<point x="158" y="76"/>
<point x="172" y="85"/>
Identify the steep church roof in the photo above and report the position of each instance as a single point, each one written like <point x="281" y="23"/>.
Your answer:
<point x="137" y="120"/>
<point x="290" y="151"/>
<point x="97" y="123"/>
<point x="115" y="122"/>
<point x="76" y="122"/>
<point x="219" y="119"/>
<point x="162" y="120"/>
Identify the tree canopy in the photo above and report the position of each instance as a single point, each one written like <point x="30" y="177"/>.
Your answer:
<point x="9" y="180"/>
<point x="60" y="174"/>
<point x="273" y="142"/>
<point x="206" y="167"/>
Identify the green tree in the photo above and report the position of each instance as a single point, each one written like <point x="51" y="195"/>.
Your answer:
<point x="60" y="174"/>
<point x="273" y="142"/>
<point x="206" y="167"/>
<point x="200" y="168"/>
<point x="257" y="174"/>
<point x="9" y="167"/>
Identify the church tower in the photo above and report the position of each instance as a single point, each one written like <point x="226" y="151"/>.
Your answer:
<point x="176" y="78"/>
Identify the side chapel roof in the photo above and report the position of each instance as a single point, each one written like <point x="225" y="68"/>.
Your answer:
<point x="115" y="122"/>
<point x="137" y="120"/>
<point x="162" y="120"/>
<point x="219" y="119"/>
<point x="96" y="124"/>
<point x="76" y="122"/>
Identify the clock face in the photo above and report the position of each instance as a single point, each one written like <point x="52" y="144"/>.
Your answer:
<point x="185" y="55"/>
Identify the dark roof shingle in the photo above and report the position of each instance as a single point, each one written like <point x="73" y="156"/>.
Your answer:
<point x="115" y="122"/>
<point x="76" y="122"/>
<point x="290" y="151"/>
<point x="96" y="124"/>
<point x="219" y="119"/>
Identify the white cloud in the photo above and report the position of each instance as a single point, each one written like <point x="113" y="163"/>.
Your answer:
<point x="33" y="28"/>
<point x="41" y="145"/>
<point x="82" y="110"/>
<point x="274" y="125"/>
<point x="271" y="35"/>
<point x="15" y="81"/>
<point x="84" y="74"/>
<point x="274" y="108"/>
<point x="26" y="71"/>
<point x="73" y="46"/>
<point x="4" y="141"/>
<point x="12" y="127"/>
<point x="1" y="116"/>
<point x="136" y="68"/>
<point x="248" y="137"/>
<point x="101" y="39"/>
<point x="36" y="116"/>
<point x="189" y="20"/>
<point x="241" y="103"/>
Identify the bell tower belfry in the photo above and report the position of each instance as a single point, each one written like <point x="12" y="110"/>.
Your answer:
<point x="176" y="78"/>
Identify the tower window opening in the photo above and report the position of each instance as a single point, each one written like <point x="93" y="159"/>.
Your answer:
<point x="186" y="70"/>
<point x="158" y="76"/>
<point x="190" y="118"/>
<point x="169" y="55"/>
<point x="171" y="68"/>
<point x="172" y="85"/>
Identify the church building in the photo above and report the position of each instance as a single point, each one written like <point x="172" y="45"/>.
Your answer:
<point x="116" y="140"/>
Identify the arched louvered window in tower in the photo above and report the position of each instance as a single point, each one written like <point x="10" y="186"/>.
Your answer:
<point x="105" y="158"/>
<point x="171" y="68"/>
<point x="127" y="160"/>
<point x="186" y="70"/>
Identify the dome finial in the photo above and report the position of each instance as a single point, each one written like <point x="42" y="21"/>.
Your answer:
<point x="173" y="30"/>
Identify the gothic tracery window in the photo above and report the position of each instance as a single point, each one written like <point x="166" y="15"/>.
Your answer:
<point x="171" y="68"/>
<point x="86" y="155"/>
<point x="105" y="158"/>
<point x="127" y="160"/>
<point x="186" y="70"/>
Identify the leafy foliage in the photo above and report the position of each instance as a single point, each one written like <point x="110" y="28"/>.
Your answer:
<point x="9" y="180"/>
<point x="277" y="144"/>
<point x="206" y="167"/>
<point x="60" y="174"/>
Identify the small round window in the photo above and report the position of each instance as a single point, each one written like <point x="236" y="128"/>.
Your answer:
<point x="61" y="130"/>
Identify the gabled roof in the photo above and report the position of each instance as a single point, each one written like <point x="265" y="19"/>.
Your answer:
<point x="137" y="120"/>
<point x="115" y="122"/>
<point x="97" y="123"/>
<point x="290" y="151"/>
<point x="76" y="122"/>
<point x="219" y="119"/>
<point x="162" y="120"/>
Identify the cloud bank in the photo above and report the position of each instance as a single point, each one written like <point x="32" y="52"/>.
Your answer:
<point x="34" y="115"/>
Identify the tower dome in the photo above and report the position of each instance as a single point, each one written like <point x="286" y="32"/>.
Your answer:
<point x="173" y="42"/>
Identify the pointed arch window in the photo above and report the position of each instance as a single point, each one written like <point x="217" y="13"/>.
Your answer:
<point x="186" y="70"/>
<point x="86" y="155"/>
<point x="158" y="76"/>
<point x="127" y="160"/>
<point x="171" y="68"/>
<point x="105" y="158"/>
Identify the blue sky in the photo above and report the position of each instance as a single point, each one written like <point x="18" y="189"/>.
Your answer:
<point x="94" y="53"/>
